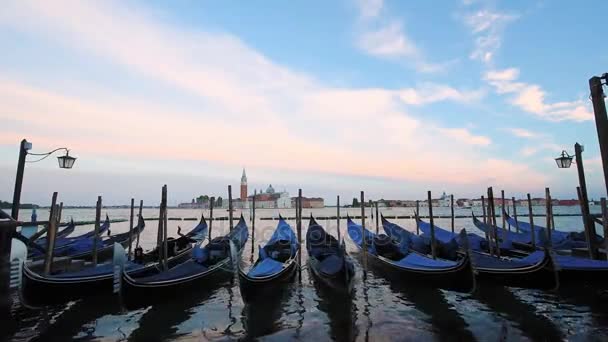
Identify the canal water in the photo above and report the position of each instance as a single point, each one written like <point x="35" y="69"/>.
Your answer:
<point x="379" y="310"/>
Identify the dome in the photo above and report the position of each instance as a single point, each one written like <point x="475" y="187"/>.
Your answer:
<point x="270" y="189"/>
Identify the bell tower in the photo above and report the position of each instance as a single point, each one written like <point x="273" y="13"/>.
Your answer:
<point x="244" y="186"/>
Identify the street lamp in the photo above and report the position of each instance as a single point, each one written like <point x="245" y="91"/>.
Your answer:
<point x="65" y="162"/>
<point x="564" y="161"/>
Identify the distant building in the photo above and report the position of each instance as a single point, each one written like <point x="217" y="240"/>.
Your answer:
<point x="309" y="202"/>
<point x="244" y="186"/>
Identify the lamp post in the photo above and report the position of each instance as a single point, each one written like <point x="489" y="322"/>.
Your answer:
<point x="564" y="161"/>
<point x="6" y="233"/>
<point x="65" y="162"/>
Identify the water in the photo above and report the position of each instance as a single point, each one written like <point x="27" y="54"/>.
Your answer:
<point x="379" y="310"/>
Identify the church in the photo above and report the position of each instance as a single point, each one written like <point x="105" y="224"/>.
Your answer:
<point x="269" y="199"/>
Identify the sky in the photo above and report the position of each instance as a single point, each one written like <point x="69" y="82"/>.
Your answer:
<point x="391" y="97"/>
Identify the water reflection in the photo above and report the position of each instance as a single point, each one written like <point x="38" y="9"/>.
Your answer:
<point x="162" y="320"/>
<point x="502" y="300"/>
<point x="261" y="317"/>
<point x="339" y="309"/>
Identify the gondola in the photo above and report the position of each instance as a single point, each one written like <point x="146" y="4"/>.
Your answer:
<point x="83" y="248"/>
<point x="476" y="242"/>
<point x="327" y="259"/>
<point x="64" y="232"/>
<point x="275" y="266"/>
<point x="74" y="278"/>
<point x="536" y="270"/>
<point x="560" y="240"/>
<point x="207" y="264"/>
<point x="66" y="243"/>
<point x="413" y="267"/>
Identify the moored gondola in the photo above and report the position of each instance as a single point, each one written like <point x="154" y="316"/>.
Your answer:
<point x="412" y="267"/>
<point x="73" y="278"/>
<point x="536" y="270"/>
<point x="275" y="266"/>
<point x="328" y="261"/>
<point x="212" y="262"/>
<point x="66" y="245"/>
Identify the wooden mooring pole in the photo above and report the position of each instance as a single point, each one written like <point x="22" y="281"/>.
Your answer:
<point x="503" y="211"/>
<point x="515" y="215"/>
<point x="255" y="193"/>
<point x="230" y="206"/>
<point x="548" y="215"/>
<point x="364" y="240"/>
<point x="417" y="214"/>
<point x="487" y="222"/>
<point x="605" y="224"/>
<point x="585" y="215"/>
<point x="452" y="210"/>
<point x="131" y="227"/>
<point x="50" y="236"/>
<point x="430" y="202"/>
<point x="338" y="217"/>
<point x="165" y="235"/>
<point x="531" y="220"/>
<point x="59" y="213"/>
<point x="139" y="215"/>
<point x="493" y="219"/>
<point x="211" y="205"/>
<point x="377" y="219"/>
<point x="299" y="226"/>
<point x="97" y="224"/>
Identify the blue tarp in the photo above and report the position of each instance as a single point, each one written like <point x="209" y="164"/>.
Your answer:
<point x="569" y="262"/>
<point x="414" y="260"/>
<point x="266" y="265"/>
<point x="476" y="243"/>
<point x="354" y="231"/>
<point x="487" y="261"/>
<point x="265" y="268"/>
<point x="331" y="264"/>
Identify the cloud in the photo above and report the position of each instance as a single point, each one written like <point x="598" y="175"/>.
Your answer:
<point x="529" y="151"/>
<point x="431" y="92"/>
<point x="465" y="136"/>
<point x="369" y="9"/>
<point x="250" y="110"/>
<point x="487" y="27"/>
<point x="522" y="133"/>
<point x="384" y="37"/>
<point x="531" y="98"/>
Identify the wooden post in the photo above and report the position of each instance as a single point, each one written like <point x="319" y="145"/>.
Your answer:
<point x="584" y="201"/>
<point x="211" y="205"/>
<point x="531" y="219"/>
<point x="452" y="210"/>
<point x="50" y="236"/>
<point x="418" y="214"/>
<point x="131" y="227"/>
<point x="97" y="224"/>
<point x="338" y="217"/>
<point x="493" y="219"/>
<point x="159" y="233"/>
<point x="230" y="206"/>
<point x="165" y="247"/>
<point x="141" y="208"/>
<point x="485" y="221"/>
<point x="601" y="124"/>
<point x="503" y="210"/>
<point x="59" y="213"/>
<point x="605" y="224"/>
<point x="299" y="226"/>
<point x="430" y="202"/>
<point x="377" y="219"/>
<point x="255" y="193"/>
<point x="548" y="213"/>
<point x="515" y="215"/>
<point x="364" y="240"/>
<point x="585" y="216"/>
